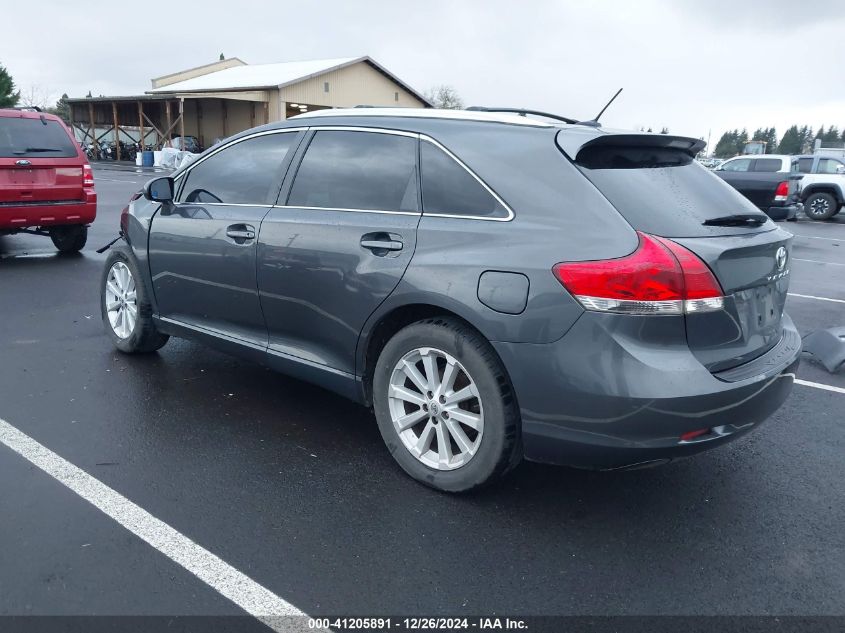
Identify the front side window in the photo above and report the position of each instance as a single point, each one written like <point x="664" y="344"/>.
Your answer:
<point x="449" y="189"/>
<point x="357" y="170"/>
<point x="740" y="164"/>
<point x="248" y="172"/>
<point x="828" y="166"/>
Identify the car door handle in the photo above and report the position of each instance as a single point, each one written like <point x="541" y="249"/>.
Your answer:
<point x="382" y="243"/>
<point x="388" y="245"/>
<point x="241" y="232"/>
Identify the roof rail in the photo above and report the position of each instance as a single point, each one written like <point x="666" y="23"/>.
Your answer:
<point x="522" y="112"/>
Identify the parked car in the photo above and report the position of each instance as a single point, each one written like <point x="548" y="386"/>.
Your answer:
<point x="822" y="188"/>
<point x="186" y="144"/>
<point x="46" y="182"/>
<point x="494" y="287"/>
<point x="768" y="181"/>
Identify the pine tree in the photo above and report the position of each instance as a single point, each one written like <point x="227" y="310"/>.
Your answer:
<point x="726" y="147"/>
<point x="8" y="95"/>
<point x="791" y="141"/>
<point x="62" y="109"/>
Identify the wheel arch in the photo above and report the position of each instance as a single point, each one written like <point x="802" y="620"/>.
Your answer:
<point x="836" y="192"/>
<point x="381" y="327"/>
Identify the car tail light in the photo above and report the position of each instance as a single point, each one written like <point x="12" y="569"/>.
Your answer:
<point x="660" y="277"/>
<point x="691" y="435"/>
<point x="782" y="192"/>
<point x="87" y="176"/>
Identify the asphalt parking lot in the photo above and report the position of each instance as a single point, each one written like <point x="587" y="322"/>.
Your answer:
<point x="292" y="486"/>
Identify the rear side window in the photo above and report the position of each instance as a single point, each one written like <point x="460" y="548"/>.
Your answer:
<point x="449" y="189"/>
<point x="34" y="138"/>
<point x="805" y="165"/>
<point x="248" y="172"/>
<point x="357" y="170"/>
<point x="767" y="164"/>
<point x="661" y="190"/>
<point x="740" y="164"/>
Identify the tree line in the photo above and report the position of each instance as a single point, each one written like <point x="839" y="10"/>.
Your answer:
<point x="796" y="140"/>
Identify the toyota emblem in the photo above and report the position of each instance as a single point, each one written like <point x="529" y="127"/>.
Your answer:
<point x="780" y="258"/>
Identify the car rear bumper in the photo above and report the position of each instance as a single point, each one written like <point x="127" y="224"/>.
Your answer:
<point x="786" y="212"/>
<point x="600" y="399"/>
<point x="30" y="215"/>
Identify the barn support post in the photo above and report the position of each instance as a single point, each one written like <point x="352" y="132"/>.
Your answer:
<point x="141" y="126"/>
<point x="167" y="119"/>
<point x="182" y="121"/>
<point x="116" y="130"/>
<point x="198" y="107"/>
<point x="225" y="112"/>
<point x="70" y="119"/>
<point x="94" y="138"/>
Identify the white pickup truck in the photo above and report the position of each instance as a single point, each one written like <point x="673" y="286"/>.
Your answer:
<point x="822" y="187"/>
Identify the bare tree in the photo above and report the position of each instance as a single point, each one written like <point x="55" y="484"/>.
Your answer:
<point x="444" y="97"/>
<point x="34" y="97"/>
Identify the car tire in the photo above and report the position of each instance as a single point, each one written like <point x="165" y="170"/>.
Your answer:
<point x="69" y="239"/>
<point x="476" y="455"/>
<point x="820" y="206"/>
<point x="130" y="333"/>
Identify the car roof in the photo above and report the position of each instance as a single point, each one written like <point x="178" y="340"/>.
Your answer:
<point x="13" y="113"/>
<point x="426" y="113"/>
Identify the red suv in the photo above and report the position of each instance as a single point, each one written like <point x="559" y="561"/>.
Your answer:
<point x="46" y="183"/>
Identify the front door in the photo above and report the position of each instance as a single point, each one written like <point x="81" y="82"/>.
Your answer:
<point x="203" y="247"/>
<point x="341" y="243"/>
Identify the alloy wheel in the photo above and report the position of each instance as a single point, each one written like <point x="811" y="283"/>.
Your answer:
<point x="819" y="206"/>
<point x="121" y="300"/>
<point x="436" y="408"/>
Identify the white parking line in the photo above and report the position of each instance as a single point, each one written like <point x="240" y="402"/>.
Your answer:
<point x="819" y="385"/>
<point x="134" y="182"/>
<point x="223" y="578"/>
<point x="816" y="261"/>
<point x="795" y="294"/>
<point x="814" y="237"/>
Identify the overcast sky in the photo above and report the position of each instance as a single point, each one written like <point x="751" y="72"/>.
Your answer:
<point x="690" y="65"/>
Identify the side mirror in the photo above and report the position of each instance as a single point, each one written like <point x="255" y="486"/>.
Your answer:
<point x="840" y="169"/>
<point x="159" y="190"/>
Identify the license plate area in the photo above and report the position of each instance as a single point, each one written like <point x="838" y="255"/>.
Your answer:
<point x="759" y="307"/>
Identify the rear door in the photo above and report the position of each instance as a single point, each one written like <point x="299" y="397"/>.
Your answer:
<point x="339" y="242"/>
<point x="203" y="248"/>
<point x="662" y="191"/>
<point x="40" y="164"/>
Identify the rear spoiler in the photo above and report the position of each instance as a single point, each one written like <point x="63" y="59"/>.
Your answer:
<point x="573" y="145"/>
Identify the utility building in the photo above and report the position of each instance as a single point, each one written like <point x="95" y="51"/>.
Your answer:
<point x="219" y="99"/>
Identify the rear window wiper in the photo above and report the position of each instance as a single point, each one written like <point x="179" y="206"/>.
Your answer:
<point x="740" y="219"/>
<point x="38" y="149"/>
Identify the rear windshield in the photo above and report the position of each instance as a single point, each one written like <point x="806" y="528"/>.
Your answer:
<point x="34" y="138"/>
<point x="663" y="190"/>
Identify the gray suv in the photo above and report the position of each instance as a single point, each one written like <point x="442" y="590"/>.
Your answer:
<point x="495" y="287"/>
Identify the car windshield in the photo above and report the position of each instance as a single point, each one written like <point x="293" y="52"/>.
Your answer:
<point x="27" y="137"/>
